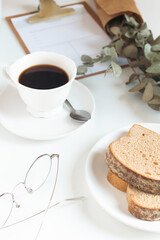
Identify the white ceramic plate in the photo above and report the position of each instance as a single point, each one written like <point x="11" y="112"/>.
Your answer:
<point x="15" y="118"/>
<point x="112" y="200"/>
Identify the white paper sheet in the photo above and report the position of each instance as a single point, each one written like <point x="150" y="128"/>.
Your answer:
<point x="72" y="36"/>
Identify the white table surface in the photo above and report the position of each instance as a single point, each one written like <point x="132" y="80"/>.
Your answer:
<point x="115" y="107"/>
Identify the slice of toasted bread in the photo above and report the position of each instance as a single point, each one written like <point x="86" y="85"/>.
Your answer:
<point x="145" y="206"/>
<point x="116" y="181"/>
<point x="136" y="159"/>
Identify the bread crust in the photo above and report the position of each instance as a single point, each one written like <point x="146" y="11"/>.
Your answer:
<point x="141" y="212"/>
<point x="116" y="181"/>
<point x="141" y="182"/>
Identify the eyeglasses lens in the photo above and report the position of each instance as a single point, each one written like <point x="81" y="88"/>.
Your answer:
<point x="38" y="173"/>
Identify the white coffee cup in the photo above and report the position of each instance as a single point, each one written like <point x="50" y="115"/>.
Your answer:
<point x="46" y="102"/>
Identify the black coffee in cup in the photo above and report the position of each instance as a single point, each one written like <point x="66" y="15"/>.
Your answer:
<point x="43" y="77"/>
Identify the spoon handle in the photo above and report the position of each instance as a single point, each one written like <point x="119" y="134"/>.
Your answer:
<point x="69" y="104"/>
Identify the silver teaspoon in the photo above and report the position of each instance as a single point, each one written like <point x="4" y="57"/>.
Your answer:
<point x="79" y="115"/>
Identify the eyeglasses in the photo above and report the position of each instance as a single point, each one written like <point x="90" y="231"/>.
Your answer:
<point x="35" y="177"/>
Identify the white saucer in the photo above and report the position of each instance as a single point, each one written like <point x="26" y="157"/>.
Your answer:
<point x="15" y="118"/>
<point x="109" y="198"/>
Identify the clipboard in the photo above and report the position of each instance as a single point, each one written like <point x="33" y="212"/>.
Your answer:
<point x="93" y="34"/>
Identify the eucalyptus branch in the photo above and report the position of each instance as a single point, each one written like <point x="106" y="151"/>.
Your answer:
<point x="134" y="41"/>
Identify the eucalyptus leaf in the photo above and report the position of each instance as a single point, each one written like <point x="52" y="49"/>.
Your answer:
<point x="130" y="51"/>
<point x="140" y="43"/>
<point x="140" y="36"/>
<point x="154" y="106"/>
<point x="148" y="52"/>
<point x="131" y="21"/>
<point x="104" y="59"/>
<point x="144" y="61"/>
<point x="155" y="58"/>
<point x="107" y="51"/>
<point x="114" y="55"/>
<point x="110" y="51"/>
<point x="130" y="34"/>
<point x="154" y="68"/>
<point x="156" y="48"/>
<point x="155" y="100"/>
<point x="139" y="86"/>
<point x="132" y="77"/>
<point x="115" y="30"/>
<point x="148" y="93"/>
<point x="143" y="26"/>
<point x="119" y="46"/>
<point x="86" y="59"/>
<point x="88" y="64"/>
<point x="124" y="29"/>
<point x="150" y="38"/>
<point x="156" y="41"/>
<point x="144" y="34"/>
<point x="156" y="91"/>
<point x="81" y="69"/>
<point x="117" y="70"/>
<point x="151" y="80"/>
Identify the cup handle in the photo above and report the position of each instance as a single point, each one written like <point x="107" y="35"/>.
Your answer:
<point x="5" y="73"/>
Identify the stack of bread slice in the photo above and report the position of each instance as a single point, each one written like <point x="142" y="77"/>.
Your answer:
<point x="134" y="167"/>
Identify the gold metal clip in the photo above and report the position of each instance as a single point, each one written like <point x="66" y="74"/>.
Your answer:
<point x="50" y="10"/>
